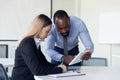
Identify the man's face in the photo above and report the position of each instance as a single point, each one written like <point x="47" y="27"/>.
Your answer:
<point x="63" y="25"/>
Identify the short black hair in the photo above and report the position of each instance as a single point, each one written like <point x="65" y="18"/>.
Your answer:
<point x="60" y="14"/>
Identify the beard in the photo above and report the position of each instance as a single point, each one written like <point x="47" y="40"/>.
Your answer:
<point x="65" y="34"/>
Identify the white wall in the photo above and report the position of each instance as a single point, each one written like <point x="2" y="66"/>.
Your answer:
<point x="16" y="16"/>
<point x="71" y="6"/>
<point x="90" y="12"/>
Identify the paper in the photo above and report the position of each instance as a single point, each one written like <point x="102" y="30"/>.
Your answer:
<point x="77" y="59"/>
<point x="37" y="78"/>
<point x="66" y="74"/>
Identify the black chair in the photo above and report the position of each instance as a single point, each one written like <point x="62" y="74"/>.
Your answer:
<point x="4" y="52"/>
<point x="3" y="73"/>
<point x="95" y="61"/>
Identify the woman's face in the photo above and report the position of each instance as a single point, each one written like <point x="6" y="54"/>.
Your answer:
<point x="44" y="32"/>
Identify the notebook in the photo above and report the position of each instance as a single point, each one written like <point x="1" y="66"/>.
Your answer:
<point x="66" y="74"/>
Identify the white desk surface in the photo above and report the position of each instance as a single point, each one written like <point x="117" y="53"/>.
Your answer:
<point x="7" y="62"/>
<point x="92" y="73"/>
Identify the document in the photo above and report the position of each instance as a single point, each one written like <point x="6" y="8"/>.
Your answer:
<point x="37" y="77"/>
<point x="77" y="59"/>
<point x="66" y="74"/>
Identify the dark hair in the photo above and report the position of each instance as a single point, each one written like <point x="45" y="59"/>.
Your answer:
<point x="60" y="14"/>
<point x="47" y="21"/>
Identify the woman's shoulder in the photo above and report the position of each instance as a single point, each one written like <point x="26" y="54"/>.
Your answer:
<point x="27" y="40"/>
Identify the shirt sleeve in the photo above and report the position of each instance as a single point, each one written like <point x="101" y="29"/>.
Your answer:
<point x="49" y="47"/>
<point x="85" y="37"/>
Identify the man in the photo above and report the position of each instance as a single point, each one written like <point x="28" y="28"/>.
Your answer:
<point x="69" y="27"/>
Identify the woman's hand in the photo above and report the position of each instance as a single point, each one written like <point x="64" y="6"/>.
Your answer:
<point x="64" y="68"/>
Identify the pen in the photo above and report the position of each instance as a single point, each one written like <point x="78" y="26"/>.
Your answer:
<point x="82" y="74"/>
<point x="62" y="61"/>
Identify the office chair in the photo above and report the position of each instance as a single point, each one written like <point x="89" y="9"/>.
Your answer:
<point x="3" y="73"/>
<point x="95" y="61"/>
<point x="4" y="52"/>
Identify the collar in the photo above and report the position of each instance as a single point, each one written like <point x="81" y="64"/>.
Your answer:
<point x="37" y="42"/>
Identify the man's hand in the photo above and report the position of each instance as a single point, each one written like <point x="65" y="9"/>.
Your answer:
<point x="86" y="56"/>
<point x="68" y="59"/>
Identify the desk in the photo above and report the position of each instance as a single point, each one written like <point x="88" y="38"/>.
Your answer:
<point x="92" y="73"/>
<point x="7" y="62"/>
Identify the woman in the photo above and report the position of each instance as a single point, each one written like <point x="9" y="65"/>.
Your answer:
<point x="29" y="60"/>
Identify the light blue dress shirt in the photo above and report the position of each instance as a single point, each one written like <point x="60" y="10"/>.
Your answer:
<point x="77" y="30"/>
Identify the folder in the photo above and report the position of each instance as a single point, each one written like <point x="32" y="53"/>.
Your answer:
<point x="66" y="74"/>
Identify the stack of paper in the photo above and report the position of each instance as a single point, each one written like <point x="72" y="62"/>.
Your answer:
<point x="66" y="74"/>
